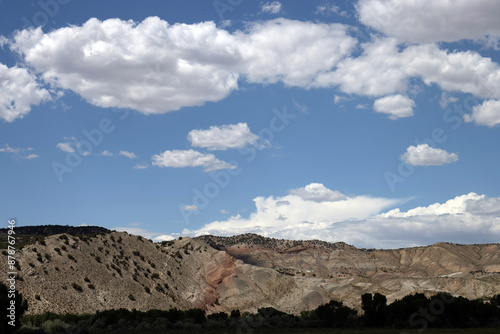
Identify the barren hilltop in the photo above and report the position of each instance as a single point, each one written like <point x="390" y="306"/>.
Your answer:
<point x="82" y="273"/>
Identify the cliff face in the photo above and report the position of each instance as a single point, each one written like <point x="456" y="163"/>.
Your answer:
<point x="80" y="274"/>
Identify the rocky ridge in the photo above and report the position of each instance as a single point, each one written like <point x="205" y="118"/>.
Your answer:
<point x="86" y="273"/>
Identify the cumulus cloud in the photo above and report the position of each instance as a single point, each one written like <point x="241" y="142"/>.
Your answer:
<point x="384" y="69"/>
<point x="155" y="67"/>
<point x="430" y="21"/>
<point x="223" y="137"/>
<point x="309" y="50"/>
<point x="377" y="71"/>
<point x="190" y="158"/>
<point x="488" y="113"/>
<point x="152" y="66"/>
<point x="317" y="192"/>
<point x="127" y="154"/>
<point x="19" y="91"/>
<point x="357" y="220"/>
<point x="271" y="7"/>
<point x="320" y="205"/>
<point x="424" y="155"/>
<point x="66" y="147"/>
<point x="396" y="106"/>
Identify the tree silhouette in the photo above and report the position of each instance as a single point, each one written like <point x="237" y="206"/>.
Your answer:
<point x="375" y="308"/>
<point x="20" y="305"/>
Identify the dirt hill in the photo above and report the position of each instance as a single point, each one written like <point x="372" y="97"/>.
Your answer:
<point x="85" y="273"/>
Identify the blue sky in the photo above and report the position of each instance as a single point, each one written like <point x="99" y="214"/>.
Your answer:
<point x="368" y="121"/>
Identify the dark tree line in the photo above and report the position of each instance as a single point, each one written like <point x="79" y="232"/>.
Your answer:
<point x="413" y="311"/>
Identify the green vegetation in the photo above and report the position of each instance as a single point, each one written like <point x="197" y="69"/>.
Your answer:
<point x="22" y="240"/>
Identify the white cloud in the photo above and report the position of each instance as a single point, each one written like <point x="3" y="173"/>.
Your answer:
<point x="384" y="69"/>
<point x="424" y="155"/>
<point x="396" y="106"/>
<point x="190" y="158"/>
<point x="9" y="149"/>
<point x="31" y="156"/>
<point x="317" y="192"/>
<point x="428" y="21"/>
<point x="466" y="72"/>
<point x="17" y="151"/>
<point x="377" y="71"/>
<point x="152" y="66"/>
<point x="274" y="214"/>
<point x="137" y="231"/>
<point x="155" y="67"/>
<point x="224" y="212"/>
<point x="309" y="50"/>
<point x="140" y="166"/>
<point x="127" y="154"/>
<point x="19" y="91"/>
<point x="488" y="113"/>
<point x="106" y="153"/>
<point x="166" y="237"/>
<point x="329" y="9"/>
<point x="66" y="147"/>
<point x="469" y="218"/>
<point x="271" y="7"/>
<point x="191" y="207"/>
<point x="223" y="137"/>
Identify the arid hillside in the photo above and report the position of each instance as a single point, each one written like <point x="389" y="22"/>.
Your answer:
<point x="85" y="273"/>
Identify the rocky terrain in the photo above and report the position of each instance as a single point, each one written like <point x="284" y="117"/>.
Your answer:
<point x="84" y="273"/>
